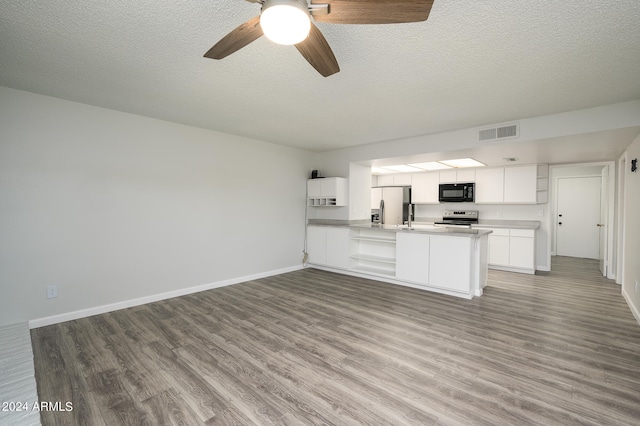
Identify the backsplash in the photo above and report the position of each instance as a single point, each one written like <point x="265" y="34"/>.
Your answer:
<point x="486" y="211"/>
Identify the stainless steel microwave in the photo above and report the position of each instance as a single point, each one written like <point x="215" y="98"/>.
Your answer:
<point x="457" y="192"/>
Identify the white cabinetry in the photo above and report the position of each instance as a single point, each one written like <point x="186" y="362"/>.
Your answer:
<point x="489" y="186"/>
<point x="499" y="247"/>
<point x="520" y="184"/>
<point x="424" y="188"/>
<point x="373" y="252"/>
<point x="542" y="187"/>
<point x="457" y="175"/>
<point x="507" y="185"/>
<point x="400" y="179"/>
<point x="451" y="259"/>
<point x="522" y="249"/>
<point x="412" y="258"/>
<point x="325" y="192"/>
<point x="512" y="249"/>
<point x="328" y="246"/>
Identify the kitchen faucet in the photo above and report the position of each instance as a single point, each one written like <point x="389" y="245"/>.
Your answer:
<point x="409" y="214"/>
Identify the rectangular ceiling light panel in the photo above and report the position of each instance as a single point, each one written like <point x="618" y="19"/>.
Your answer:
<point x="432" y="165"/>
<point x="463" y="162"/>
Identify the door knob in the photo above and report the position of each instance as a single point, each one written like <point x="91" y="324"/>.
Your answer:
<point x="559" y="223"/>
<point x="560" y="215"/>
<point x="601" y="224"/>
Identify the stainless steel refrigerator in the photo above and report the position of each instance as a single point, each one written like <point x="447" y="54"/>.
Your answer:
<point x="390" y="204"/>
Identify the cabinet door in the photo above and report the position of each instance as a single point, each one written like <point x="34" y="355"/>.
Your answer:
<point x="490" y="186"/>
<point x="450" y="262"/>
<point x="402" y="179"/>
<point x="385" y="180"/>
<point x="522" y="252"/>
<point x="520" y="184"/>
<point x="314" y="188"/>
<point x="317" y="245"/>
<point x="412" y="258"/>
<point x="424" y="188"/>
<point x="465" y="175"/>
<point x="499" y="249"/>
<point x="337" y="247"/>
<point x="376" y="196"/>
<point x="448" y="176"/>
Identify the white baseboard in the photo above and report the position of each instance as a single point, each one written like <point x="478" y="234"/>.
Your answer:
<point x="633" y="308"/>
<point x="83" y="313"/>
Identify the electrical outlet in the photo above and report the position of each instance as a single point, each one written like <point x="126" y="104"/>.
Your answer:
<point x="499" y="214"/>
<point x="541" y="213"/>
<point x="52" y="291"/>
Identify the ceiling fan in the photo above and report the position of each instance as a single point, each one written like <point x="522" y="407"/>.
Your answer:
<point x="289" y="22"/>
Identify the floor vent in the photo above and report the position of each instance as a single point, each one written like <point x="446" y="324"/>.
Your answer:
<point x="508" y="131"/>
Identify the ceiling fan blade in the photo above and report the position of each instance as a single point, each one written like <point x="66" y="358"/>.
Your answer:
<point x="317" y="52"/>
<point x="374" y="11"/>
<point x="236" y="39"/>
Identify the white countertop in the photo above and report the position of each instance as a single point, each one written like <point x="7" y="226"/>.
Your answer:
<point x="420" y="228"/>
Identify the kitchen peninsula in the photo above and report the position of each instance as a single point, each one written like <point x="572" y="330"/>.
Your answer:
<point x="446" y="260"/>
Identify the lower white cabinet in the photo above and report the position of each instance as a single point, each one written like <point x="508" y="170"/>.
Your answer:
<point x="412" y="258"/>
<point x="455" y="265"/>
<point x="338" y="247"/>
<point x="522" y="249"/>
<point x="451" y="259"/>
<point x="512" y="249"/>
<point x="317" y="245"/>
<point x="328" y="246"/>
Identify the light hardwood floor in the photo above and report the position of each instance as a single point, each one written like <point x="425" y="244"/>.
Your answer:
<point x="313" y="347"/>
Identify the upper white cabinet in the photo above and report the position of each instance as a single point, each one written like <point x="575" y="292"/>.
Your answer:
<point x="458" y="175"/>
<point x="507" y="185"/>
<point x="490" y="186"/>
<point x="520" y="184"/>
<point x="424" y="188"/>
<point x="400" y="179"/>
<point x="324" y="192"/>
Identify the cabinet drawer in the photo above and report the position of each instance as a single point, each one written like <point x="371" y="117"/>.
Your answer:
<point x="527" y="233"/>
<point x="499" y="232"/>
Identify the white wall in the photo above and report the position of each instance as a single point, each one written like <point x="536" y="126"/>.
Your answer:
<point x="111" y="206"/>
<point x="631" y="242"/>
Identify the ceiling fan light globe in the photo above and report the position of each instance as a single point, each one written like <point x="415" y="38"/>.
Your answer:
<point x="285" y="21"/>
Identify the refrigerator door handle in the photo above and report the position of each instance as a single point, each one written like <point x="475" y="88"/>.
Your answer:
<point x="381" y="212"/>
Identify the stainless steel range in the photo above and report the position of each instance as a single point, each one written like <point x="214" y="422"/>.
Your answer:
<point x="458" y="218"/>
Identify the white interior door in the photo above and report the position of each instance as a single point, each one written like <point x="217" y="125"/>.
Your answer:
<point x="604" y="202"/>
<point x="578" y="216"/>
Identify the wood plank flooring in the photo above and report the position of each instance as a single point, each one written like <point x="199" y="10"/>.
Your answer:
<point x="313" y="347"/>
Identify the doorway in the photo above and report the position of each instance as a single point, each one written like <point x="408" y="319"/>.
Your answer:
<point x="578" y="217"/>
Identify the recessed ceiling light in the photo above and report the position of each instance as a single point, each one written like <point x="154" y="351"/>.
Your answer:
<point x="432" y="165"/>
<point x="463" y="162"/>
<point x="379" y="171"/>
<point x="510" y="159"/>
<point x="403" y="168"/>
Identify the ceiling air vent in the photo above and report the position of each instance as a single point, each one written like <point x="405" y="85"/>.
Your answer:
<point x="507" y="131"/>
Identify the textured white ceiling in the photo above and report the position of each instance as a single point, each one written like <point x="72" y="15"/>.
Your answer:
<point x="471" y="63"/>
